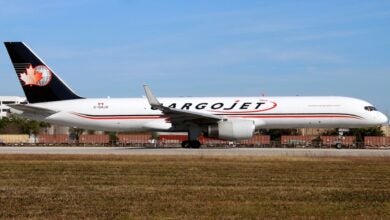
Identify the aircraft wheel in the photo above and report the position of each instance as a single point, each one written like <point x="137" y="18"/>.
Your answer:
<point x="185" y="144"/>
<point x="195" y="144"/>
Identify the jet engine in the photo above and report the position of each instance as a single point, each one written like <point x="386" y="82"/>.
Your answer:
<point x="232" y="129"/>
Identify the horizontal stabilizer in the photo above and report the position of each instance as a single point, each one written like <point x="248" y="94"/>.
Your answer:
<point x="33" y="110"/>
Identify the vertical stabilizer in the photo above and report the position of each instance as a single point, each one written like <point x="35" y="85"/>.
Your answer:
<point x="39" y="82"/>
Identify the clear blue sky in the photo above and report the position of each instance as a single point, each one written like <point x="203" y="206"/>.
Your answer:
<point x="206" y="48"/>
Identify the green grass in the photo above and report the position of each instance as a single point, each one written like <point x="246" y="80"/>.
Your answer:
<point x="40" y="186"/>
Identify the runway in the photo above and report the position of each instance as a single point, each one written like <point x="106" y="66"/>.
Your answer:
<point x="253" y="152"/>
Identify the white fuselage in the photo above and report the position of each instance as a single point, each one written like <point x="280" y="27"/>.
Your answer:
<point x="135" y="114"/>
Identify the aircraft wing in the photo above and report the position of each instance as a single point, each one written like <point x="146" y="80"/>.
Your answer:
<point x="178" y="115"/>
<point x="28" y="109"/>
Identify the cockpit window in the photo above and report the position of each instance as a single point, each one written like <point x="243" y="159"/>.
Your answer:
<point x="370" y="108"/>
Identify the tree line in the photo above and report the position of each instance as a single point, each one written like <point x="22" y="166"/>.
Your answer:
<point x="17" y="125"/>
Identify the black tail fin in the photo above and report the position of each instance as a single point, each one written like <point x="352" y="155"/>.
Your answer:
<point x="39" y="82"/>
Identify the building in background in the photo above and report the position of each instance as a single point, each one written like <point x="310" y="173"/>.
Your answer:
<point x="5" y="112"/>
<point x="9" y="100"/>
<point x="55" y="129"/>
<point x="386" y="130"/>
<point x="313" y="131"/>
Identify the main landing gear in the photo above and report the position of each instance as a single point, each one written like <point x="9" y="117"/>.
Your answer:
<point x="190" y="144"/>
<point x="194" y="132"/>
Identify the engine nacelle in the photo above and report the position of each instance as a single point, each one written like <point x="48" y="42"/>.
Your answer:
<point x="232" y="129"/>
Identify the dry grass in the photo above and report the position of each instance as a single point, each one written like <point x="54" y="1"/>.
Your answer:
<point x="38" y="186"/>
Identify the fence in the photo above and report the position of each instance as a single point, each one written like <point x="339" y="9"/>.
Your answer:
<point x="61" y="139"/>
<point x="318" y="141"/>
<point x="373" y="141"/>
<point x="94" y="139"/>
<point x="296" y="141"/>
<point x="14" y="139"/>
<point x="135" y="139"/>
<point x="256" y="141"/>
<point x="146" y="140"/>
<point x="333" y="140"/>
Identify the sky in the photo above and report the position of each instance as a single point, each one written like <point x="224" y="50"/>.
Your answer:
<point x="206" y="48"/>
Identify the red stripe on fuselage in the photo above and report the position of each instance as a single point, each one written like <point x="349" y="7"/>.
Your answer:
<point x="143" y="117"/>
<point x="296" y="116"/>
<point x="102" y="117"/>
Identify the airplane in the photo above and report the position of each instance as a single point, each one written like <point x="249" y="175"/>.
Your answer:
<point x="228" y="118"/>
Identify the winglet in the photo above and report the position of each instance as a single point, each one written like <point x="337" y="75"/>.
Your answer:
<point x="151" y="98"/>
<point x="155" y="104"/>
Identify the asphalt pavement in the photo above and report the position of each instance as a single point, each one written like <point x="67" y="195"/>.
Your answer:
<point x="254" y="152"/>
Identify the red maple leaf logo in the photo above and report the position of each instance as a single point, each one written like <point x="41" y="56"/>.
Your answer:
<point x="31" y="77"/>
